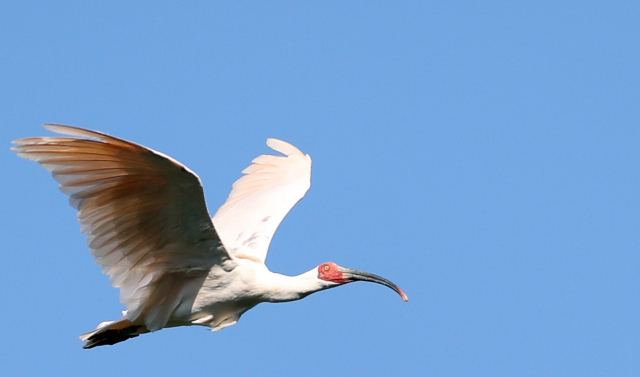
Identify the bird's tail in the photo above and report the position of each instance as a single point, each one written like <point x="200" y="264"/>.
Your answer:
<point x="109" y="333"/>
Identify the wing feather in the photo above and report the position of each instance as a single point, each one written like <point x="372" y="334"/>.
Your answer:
<point x="144" y="214"/>
<point x="261" y="198"/>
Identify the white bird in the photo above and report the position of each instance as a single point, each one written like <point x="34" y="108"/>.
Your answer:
<point x="148" y="228"/>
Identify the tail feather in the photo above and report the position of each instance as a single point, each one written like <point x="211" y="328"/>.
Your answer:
<point x="112" y="333"/>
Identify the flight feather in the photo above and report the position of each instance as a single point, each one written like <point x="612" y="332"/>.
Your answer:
<point x="144" y="214"/>
<point x="261" y="198"/>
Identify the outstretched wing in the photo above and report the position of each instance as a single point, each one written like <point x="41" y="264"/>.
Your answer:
<point x="260" y="199"/>
<point x="144" y="214"/>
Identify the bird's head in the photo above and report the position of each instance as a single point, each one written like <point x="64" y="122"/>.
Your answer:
<point x="341" y="275"/>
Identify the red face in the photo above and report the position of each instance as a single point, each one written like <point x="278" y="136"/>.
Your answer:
<point x="331" y="272"/>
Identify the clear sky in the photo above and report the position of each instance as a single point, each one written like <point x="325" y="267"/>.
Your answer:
<point x="484" y="157"/>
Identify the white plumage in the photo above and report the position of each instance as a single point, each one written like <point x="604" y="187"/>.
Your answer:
<point x="148" y="227"/>
<point x="259" y="201"/>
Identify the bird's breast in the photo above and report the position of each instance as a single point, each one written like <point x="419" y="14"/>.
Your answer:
<point x="224" y="296"/>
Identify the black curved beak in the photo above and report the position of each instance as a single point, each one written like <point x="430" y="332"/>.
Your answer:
<point x="355" y="275"/>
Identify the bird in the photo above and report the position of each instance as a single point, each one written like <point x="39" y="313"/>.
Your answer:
<point x="148" y="227"/>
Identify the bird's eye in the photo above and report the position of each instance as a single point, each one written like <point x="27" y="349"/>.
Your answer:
<point x="326" y="268"/>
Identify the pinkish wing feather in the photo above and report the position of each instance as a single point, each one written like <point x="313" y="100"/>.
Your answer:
<point x="261" y="199"/>
<point x="144" y="214"/>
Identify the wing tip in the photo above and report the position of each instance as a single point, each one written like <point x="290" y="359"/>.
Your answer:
<point x="283" y="147"/>
<point x="58" y="128"/>
<point x="76" y="131"/>
<point x="64" y="130"/>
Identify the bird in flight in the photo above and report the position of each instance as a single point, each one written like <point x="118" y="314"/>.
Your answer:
<point x="148" y="227"/>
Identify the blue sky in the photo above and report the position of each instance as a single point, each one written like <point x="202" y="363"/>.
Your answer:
<point x="484" y="157"/>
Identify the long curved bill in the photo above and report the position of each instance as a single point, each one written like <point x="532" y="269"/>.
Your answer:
<point x="355" y="275"/>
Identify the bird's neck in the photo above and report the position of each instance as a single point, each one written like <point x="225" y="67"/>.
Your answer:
<point x="284" y="288"/>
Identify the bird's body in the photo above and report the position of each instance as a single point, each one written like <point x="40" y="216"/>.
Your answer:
<point x="148" y="227"/>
